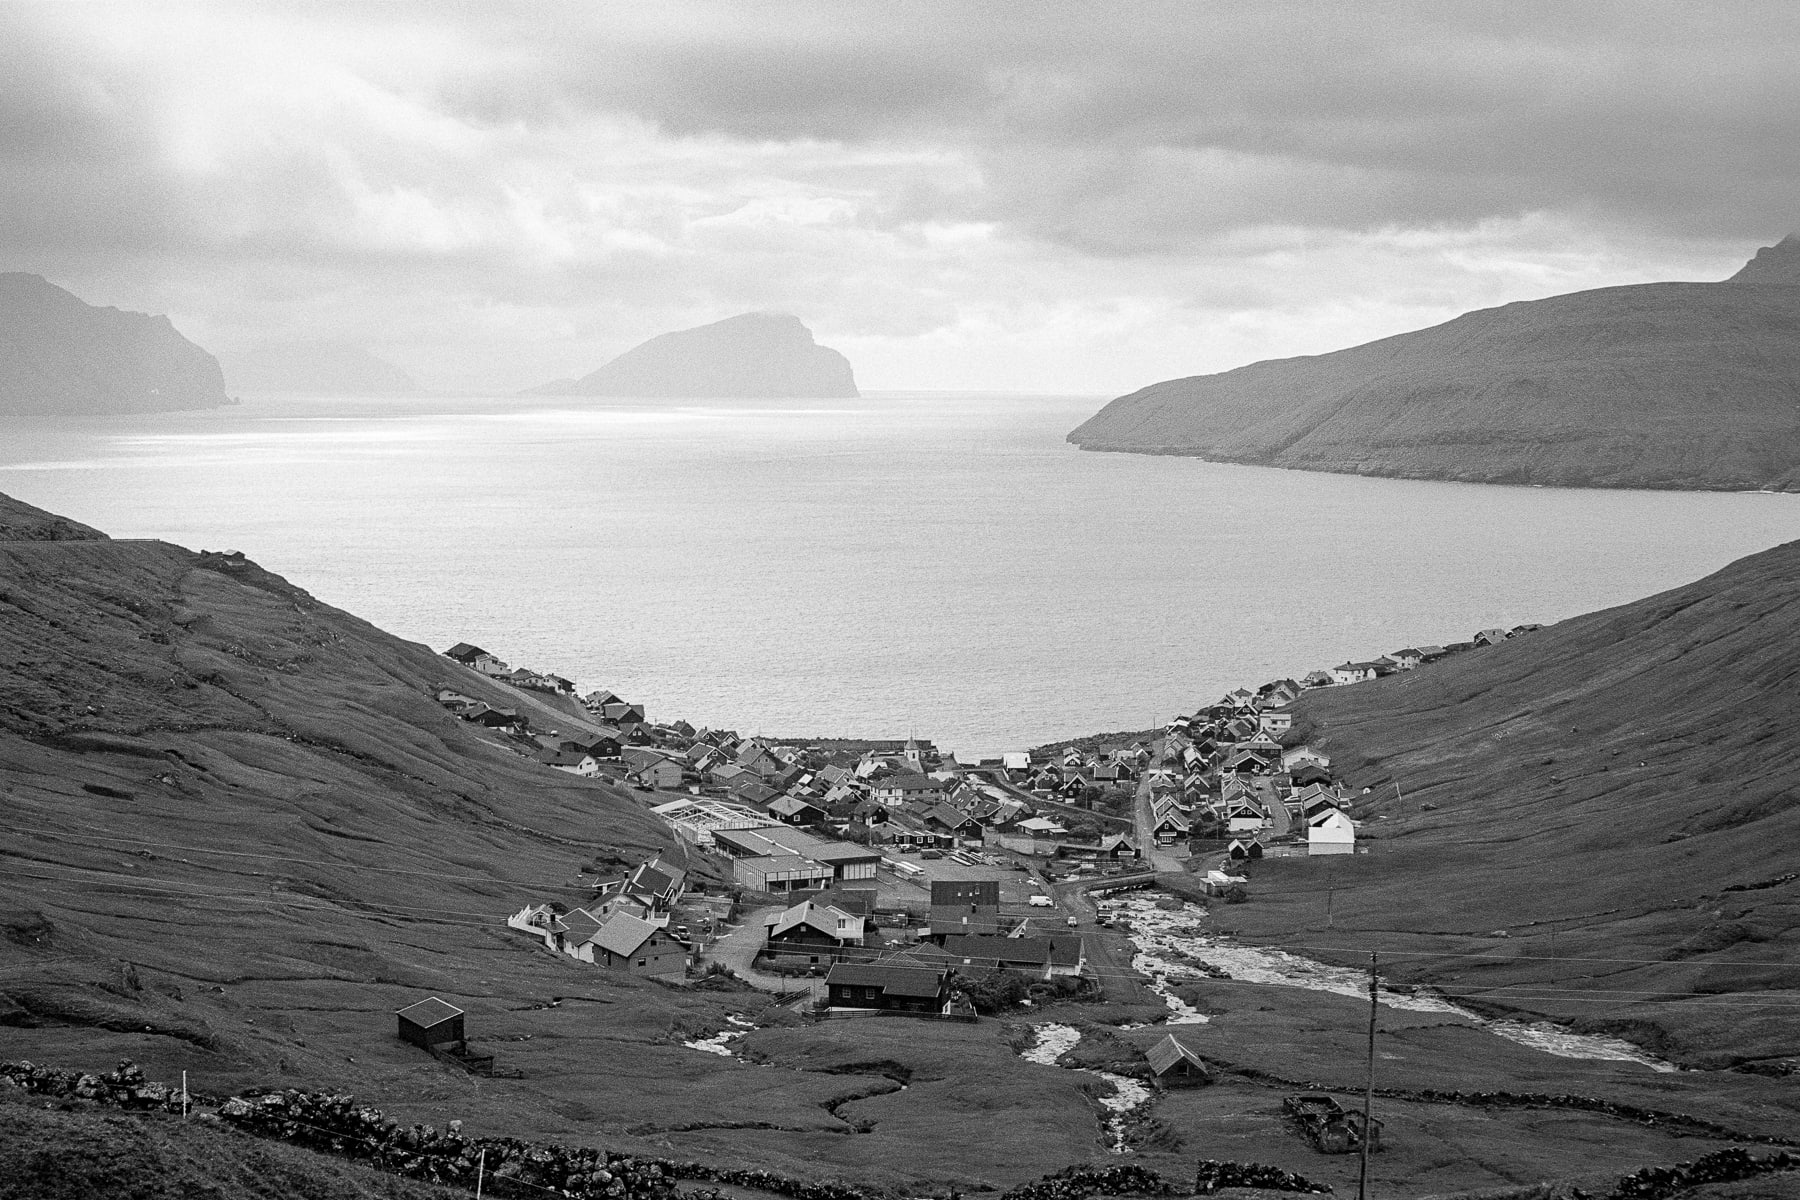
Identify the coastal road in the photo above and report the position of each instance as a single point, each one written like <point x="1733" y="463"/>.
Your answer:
<point x="738" y="948"/>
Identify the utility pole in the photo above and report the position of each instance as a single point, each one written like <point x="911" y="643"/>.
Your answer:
<point x="1399" y="799"/>
<point x="1362" y="1176"/>
<point x="480" y="1172"/>
<point x="1328" y="889"/>
<point x="184" y="1096"/>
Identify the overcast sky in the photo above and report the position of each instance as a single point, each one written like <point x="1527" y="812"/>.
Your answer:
<point x="1028" y="197"/>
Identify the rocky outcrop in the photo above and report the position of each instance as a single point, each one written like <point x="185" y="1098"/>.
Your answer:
<point x="756" y="355"/>
<point x="318" y="369"/>
<point x="1664" y="385"/>
<point x="59" y="355"/>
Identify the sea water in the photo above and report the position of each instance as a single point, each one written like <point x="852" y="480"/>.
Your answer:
<point x="930" y="563"/>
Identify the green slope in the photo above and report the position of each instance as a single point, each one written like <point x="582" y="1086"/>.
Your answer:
<point x="1667" y="385"/>
<point x="1596" y="789"/>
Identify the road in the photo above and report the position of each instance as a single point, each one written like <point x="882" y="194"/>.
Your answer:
<point x="737" y="950"/>
<point x="1109" y="952"/>
<point x="1162" y="858"/>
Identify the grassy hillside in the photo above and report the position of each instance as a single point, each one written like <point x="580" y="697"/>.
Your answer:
<point x="1668" y="385"/>
<point x="1610" y="792"/>
<point x="237" y="832"/>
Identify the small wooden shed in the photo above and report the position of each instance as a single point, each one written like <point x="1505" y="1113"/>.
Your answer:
<point x="431" y="1023"/>
<point x="1177" y="1066"/>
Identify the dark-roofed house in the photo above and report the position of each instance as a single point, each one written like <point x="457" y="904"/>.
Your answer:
<point x="953" y="821"/>
<point x="1119" y="846"/>
<point x="964" y="906"/>
<point x="796" y="811"/>
<point x="906" y="787"/>
<point x="1175" y="1065"/>
<point x="812" y="933"/>
<point x="652" y="769"/>
<point x="430" y="1023"/>
<point x="893" y="986"/>
<point x="656" y="883"/>
<point x="1042" y="957"/>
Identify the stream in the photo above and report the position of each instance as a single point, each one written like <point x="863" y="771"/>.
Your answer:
<point x="1172" y="949"/>
<point x="720" y="1043"/>
<point x="1054" y="1041"/>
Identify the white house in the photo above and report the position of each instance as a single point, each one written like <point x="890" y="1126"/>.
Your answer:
<point x="542" y="921"/>
<point x="1331" y="833"/>
<point x="575" y="763"/>
<point x="1353" y="673"/>
<point x="1274" y="721"/>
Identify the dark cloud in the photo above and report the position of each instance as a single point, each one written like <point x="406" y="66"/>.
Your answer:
<point x="1677" y="116"/>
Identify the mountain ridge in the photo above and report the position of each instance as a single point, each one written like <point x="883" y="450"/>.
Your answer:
<point x="1663" y="385"/>
<point x="61" y="355"/>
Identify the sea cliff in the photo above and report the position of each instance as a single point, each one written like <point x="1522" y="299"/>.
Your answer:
<point x="59" y="355"/>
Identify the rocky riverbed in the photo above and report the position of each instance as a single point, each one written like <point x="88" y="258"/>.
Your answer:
<point x="1054" y="1041"/>
<point x="1173" y="947"/>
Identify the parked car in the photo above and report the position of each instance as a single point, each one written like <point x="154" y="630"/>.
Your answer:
<point x="1040" y="902"/>
<point x="1073" y="922"/>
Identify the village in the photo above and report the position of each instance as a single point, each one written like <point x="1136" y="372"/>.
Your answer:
<point x="871" y="877"/>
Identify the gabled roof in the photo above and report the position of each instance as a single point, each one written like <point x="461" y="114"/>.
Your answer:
<point x="581" y="925"/>
<point x="428" y="1013"/>
<point x="829" y="920"/>
<point x="982" y="949"/>
<point x="623" y="934"/>
<point x="895" y="979"/>
<point x="949" y="818"/>
<point x="909" y="781"/>
<point x="791" y="806"/>
<point x="1168" y="1052"/>
<point x="653" y="876"/>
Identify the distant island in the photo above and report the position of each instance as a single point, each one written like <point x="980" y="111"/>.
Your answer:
<point x="1662" y="385"/>
<point x="756" y="355"/>
<point x="59" y="355"/>
<point x="321" y="368"/>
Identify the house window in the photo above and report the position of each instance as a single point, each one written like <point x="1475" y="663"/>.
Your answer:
<point x="643" y="962"/>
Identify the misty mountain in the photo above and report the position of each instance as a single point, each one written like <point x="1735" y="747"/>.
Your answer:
<point x="324" y="368"/>
<point x="769" y="355"/>
<point x="59" y="354"/>
<point x="1667" y="385"/>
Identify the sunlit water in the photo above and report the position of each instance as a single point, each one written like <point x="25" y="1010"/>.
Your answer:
<point x="932" y="563"/>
